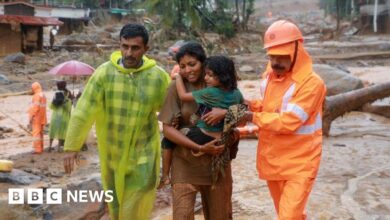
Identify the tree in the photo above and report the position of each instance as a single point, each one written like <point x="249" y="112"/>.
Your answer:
<point x="214" y="15"/>
<point x="247" y="9"/>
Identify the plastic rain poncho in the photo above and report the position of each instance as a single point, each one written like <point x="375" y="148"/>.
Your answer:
<point x="123" y="102"/>
<point x="59" y="120"/>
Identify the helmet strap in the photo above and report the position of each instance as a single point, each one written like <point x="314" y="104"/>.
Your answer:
<point x="295" y="56"/>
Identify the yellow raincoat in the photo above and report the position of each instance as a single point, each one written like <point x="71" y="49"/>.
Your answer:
<point x="123" y="102"/>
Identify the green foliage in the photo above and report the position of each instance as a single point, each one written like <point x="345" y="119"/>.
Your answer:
<point x="192" y="15"/>
<point x="227" y="29"/>
<point x="88" y="3"/>
<point x="344" y="7"/>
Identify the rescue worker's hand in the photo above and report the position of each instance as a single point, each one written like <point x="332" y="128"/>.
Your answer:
<point x="248" y="117"/>
<point x="70" y="159"/>
<point x="212" y="148"/>
<point x="215" y="116"/>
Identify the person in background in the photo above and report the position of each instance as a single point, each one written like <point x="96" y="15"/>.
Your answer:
<point x="122" y="97"/>
<point x="61" y="107"/>
<point x="289" y="117"/>
<point x="52" y="34"/>
<point x="37" y="116"/>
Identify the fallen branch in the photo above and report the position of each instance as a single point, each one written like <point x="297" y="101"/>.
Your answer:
<point x="352" y="55"/>
<point x="340" y="104"/>
<point x="15" y="94"/>
<point x="20" y="125"/>
<point x="383" y="110"/>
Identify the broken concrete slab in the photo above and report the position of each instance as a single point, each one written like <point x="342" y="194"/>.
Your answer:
<point x="337" y="81"/>
<point x="16" y="58"/>
<point x="19" y="177"/>
<point x="4" y="79"/>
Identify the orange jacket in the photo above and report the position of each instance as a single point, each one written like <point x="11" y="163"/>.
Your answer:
<point x="289" y="116"/>
<point x="38" y="106"/>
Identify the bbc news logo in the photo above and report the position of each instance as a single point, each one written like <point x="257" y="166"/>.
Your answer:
<point x="55" y="196"/>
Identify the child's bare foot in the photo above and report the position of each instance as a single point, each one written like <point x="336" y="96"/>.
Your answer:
<point x="164" y="181"/>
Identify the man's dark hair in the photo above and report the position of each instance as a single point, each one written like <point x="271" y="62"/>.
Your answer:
<point x="59" y="98"/>
<point x="61" y="85"/>
<point x="134" y="30"/>
<point x="193" y="49"/>
<point x="223" y="68"/>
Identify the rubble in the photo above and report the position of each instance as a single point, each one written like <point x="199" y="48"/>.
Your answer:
<point x="18" y="177"/>
<point x="16" y="58"/>
<point x="337" y="81"/>
<point x="4" y="80"/>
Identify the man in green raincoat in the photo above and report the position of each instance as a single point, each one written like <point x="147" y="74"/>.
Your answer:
<point x="122" y="97"/>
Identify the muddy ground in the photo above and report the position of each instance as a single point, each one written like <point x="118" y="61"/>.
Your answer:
<point x="354" y="178"/>
<point x="353" y="182"/>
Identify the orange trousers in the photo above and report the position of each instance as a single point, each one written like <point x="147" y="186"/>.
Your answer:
<point x="290" y="197"/>
<point x="37" y="133"/>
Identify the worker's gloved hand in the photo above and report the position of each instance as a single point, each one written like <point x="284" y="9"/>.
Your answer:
<point x="70" y="158"/>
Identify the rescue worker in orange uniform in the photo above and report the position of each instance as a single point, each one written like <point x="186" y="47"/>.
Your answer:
<point x="289" y="117"/>
<point x="37" y="116"/>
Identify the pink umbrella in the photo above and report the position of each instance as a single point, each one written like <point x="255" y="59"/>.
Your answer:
<point x="72" y="68"/>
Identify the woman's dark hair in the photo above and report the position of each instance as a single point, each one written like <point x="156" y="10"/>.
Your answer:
<point x="134" y="30"/>
<point x="223" y="68"/>
<point x="193" y="49"/>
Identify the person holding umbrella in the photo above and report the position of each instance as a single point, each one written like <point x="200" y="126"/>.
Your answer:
<point x="122" y="97"/>
<point x="61" y="107"/>
<point x="72" y="68"/>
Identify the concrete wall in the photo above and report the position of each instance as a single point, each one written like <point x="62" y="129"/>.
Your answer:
<point x="10" y="41"/>
<point x="76" y="13"/>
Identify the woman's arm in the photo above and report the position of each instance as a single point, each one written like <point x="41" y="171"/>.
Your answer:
<point x="181" y="90"/>
<point x="180" y="139"/>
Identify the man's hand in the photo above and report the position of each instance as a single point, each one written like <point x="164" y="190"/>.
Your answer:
<point x="211" y="148"/>
<point x="70" y="159"/>
<point x="215" y="116"/>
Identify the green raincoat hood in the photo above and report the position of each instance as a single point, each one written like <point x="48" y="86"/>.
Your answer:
<point x="116" y="56"/>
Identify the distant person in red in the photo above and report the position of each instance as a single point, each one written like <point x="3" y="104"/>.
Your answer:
<point x="37" y="117"/>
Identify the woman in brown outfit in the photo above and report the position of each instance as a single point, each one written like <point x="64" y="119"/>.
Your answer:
<point x="191" y="174"/>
